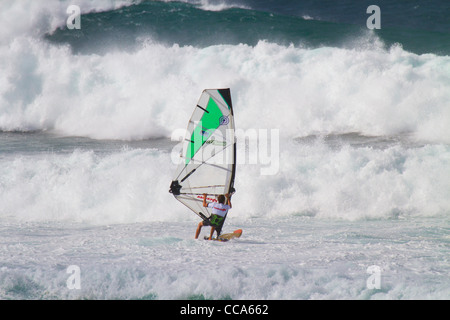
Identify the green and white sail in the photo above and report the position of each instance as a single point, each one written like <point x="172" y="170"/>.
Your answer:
<point x="208" y="157"/>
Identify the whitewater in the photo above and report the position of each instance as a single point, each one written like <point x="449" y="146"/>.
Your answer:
<point x="359" y="179"/>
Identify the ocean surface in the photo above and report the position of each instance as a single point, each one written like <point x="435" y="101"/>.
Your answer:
<point x="343" y="170"/>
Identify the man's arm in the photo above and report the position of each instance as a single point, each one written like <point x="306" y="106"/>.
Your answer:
<point x="228" y="199"/>
<point x="204" y="200"/>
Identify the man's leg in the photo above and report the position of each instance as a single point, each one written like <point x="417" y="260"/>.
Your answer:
<point x="199" y="228"/>
<point x="211" y="234"/>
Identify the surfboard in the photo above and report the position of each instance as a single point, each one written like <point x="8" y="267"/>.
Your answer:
<point x="227" y="236"/>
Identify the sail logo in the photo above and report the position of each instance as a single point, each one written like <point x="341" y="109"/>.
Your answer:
<point x="215" y="142"/>
<point x="208" y="199"/>
<point x="223" y="120"/>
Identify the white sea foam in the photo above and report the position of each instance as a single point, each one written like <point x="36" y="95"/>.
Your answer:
<point x="312" y="180"/>
<point x="297" y="258"/>
<point x="84" y="187"/>
<point x="212" y="5"/>
<point x="150" y="92"/>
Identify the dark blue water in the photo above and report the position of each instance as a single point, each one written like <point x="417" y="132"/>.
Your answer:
<point x="419" y="26"/>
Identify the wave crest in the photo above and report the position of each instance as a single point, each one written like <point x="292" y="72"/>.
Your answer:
<point x="149" y="92"/>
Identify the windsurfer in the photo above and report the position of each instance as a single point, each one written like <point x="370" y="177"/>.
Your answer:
<point x="218" y="214"/>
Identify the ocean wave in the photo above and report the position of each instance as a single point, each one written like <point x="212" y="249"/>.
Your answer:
<point x="312" y="180"/>
<point x="184" y="23"/>
<point x="35" y="18"/>
<point x="85" y="187"/>
<point x="150" y="92"/>
<point x="363" y="85"/>
<point x="207" y="22"/>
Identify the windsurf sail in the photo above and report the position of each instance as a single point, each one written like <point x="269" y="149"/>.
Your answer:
<point x="208" y="156"/>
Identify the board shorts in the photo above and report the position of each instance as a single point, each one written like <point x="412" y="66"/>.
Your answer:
<point x="214" y="221"/>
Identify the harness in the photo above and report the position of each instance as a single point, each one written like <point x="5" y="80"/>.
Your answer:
<point x="216" y="220"/>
